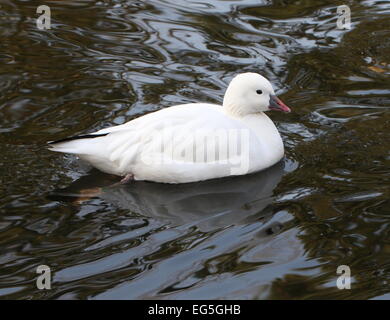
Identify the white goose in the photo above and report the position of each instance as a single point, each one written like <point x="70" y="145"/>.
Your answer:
<point x="190" y="142"/>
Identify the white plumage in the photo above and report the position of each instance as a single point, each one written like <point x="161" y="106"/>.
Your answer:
<point x="190" y="142"/>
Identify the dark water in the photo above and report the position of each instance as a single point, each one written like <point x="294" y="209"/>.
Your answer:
<point x="278" y="234"/>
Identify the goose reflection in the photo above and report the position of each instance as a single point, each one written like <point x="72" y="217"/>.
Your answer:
<point x="207" y="204"/>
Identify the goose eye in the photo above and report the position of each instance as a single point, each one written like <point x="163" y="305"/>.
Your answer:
<point x="259" y="91"/>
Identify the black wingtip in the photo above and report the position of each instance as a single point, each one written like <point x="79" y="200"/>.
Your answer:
<point x="85" y="136"/>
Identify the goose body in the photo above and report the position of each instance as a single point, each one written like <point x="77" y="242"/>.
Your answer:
<point x="190" y="142"/>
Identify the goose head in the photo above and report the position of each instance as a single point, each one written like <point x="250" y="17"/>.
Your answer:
<point x="251" y="93"/>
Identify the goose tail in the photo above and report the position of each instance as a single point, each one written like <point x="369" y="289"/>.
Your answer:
<point x="76" y="144"/>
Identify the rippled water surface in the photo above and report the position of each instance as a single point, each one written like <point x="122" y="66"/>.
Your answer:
<point x="277" y="234"/>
